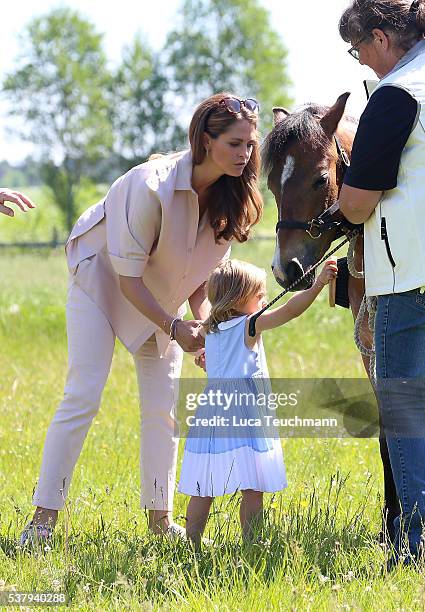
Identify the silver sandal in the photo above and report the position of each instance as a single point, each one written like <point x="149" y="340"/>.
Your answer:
<point x="175" y="532"/>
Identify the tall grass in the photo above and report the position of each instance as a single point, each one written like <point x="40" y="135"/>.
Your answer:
<point x="318" y="549"/>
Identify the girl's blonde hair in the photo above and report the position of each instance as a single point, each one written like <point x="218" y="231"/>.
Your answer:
<point x="229" y="287"/>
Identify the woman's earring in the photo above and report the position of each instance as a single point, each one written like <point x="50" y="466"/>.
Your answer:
<point x="207" y="152"/>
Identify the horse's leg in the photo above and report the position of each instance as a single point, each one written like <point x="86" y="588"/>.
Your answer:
<point x="391" y="503"/>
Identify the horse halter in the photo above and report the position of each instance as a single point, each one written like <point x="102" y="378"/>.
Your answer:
<point x="323" y="222"/>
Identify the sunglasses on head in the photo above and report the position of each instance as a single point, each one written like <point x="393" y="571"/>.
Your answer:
<point x="234" y="105"/>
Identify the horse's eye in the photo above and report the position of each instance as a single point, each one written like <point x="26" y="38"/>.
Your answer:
<point x="320" y="182"/>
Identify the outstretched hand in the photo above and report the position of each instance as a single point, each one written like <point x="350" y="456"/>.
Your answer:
<point x="328" y="273"/>
<point x="21" y="200"/>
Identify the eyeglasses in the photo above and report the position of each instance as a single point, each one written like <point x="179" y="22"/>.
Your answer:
<point x="234" y="105"/>
<point x="354" y="51"/>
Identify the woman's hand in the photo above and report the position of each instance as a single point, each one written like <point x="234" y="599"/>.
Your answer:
<point x="21" y="200"/>
<point x="188" y="335"/>
<point x="329" y="272"/>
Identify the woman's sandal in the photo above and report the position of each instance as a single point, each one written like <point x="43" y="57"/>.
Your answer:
<point x="35" y="535"/>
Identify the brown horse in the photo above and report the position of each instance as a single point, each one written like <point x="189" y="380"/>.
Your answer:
<point x="305" y="157"/>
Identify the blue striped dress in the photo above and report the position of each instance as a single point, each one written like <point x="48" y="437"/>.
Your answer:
<point x="231" y="445"/>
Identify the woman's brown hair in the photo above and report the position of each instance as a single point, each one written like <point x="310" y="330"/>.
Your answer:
<point x="229" y="287"/>
<point x="404" y="18"/>
<point x="234" y="204"/>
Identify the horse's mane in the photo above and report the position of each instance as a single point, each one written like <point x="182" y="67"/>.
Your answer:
<point x="302" y="125"/>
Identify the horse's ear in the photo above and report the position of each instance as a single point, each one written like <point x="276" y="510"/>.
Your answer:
<point x="279" y="113"/>
<point x="329" y="122"/>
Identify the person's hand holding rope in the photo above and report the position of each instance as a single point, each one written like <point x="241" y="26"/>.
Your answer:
<point x="328" y="273"/>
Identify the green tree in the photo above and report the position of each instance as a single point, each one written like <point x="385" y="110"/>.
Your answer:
<point x="24" y="174"/>
<point x="60" y="94"/>
<point x="228" y="45"/>
<point x="142" y="116"/>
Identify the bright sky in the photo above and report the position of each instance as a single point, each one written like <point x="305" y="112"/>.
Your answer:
<point x="318" y="62"/>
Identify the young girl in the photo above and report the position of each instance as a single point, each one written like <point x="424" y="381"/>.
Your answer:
<point x="249" y="458"/>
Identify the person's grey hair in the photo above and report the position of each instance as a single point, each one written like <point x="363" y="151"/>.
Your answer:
<point x="402" y="18"/>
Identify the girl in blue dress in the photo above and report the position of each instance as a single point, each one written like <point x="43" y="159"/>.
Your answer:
<point x="230" y="446"/>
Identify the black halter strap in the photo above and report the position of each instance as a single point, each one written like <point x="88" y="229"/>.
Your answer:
<point x="251" y="328"/>
<point x="320" y="224"/>
<point x="342" y="154"/>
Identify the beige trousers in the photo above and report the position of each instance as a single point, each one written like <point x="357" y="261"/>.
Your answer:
<point x="90" y="345"/>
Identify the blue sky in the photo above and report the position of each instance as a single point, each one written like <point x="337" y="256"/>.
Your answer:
<point x="318" y="63"/>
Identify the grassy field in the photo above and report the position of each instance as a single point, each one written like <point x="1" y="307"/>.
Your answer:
<point x="318" y="550"/>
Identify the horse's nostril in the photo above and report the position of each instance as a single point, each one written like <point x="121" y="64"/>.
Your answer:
<point x="293" y="271"/>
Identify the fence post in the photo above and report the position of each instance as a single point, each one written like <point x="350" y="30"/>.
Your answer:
<point x="54" y="238"/>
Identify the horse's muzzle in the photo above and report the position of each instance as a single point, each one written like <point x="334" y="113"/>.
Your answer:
<point x="290" y="273"/>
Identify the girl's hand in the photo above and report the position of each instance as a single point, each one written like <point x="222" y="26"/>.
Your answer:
<point x="329" y="272"/>
<point x="200" y="359"/>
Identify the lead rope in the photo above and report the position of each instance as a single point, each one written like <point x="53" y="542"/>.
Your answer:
<point x="368" y="306"/>
<point x="350" y="259"/>
<point x="253" y="319"/>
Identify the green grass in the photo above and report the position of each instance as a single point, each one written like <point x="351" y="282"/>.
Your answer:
<point x="318" y="550"/>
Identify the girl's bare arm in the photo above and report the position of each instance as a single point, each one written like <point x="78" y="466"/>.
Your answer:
<point x="298" y="303"/>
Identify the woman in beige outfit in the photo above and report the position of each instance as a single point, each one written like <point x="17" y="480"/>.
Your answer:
<point x="134" y="259"/>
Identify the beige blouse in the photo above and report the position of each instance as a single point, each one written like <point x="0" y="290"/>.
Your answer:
<point x="147" y="226"/>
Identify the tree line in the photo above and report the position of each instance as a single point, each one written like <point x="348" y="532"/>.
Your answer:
<point x="90" y="121"/>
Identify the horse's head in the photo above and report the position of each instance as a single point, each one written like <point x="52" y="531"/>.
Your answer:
<point x="302" y="158"/>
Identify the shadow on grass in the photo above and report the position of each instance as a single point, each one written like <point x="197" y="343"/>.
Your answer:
<point x="9" y="546"/>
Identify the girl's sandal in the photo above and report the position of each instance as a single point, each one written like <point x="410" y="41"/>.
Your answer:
<point x="175" y="532"/>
